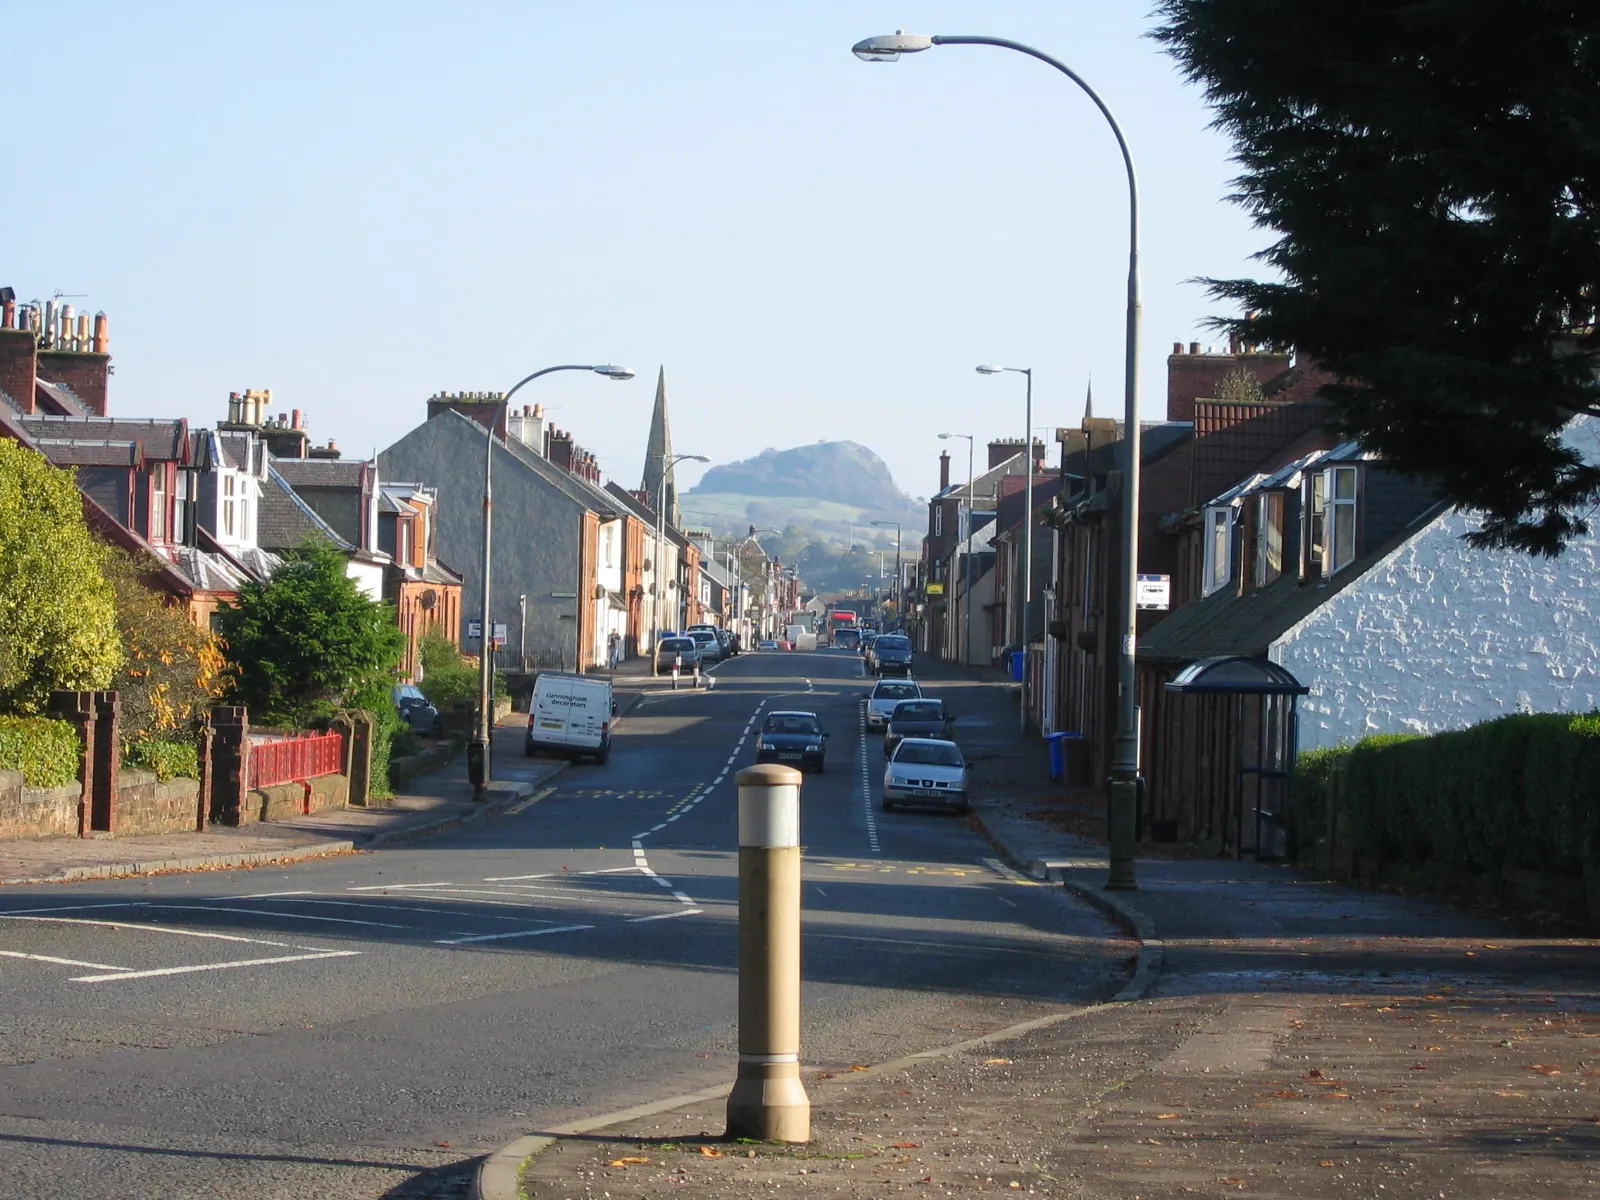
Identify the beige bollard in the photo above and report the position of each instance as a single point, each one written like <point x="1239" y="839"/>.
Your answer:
<point x="768" y="1102"/>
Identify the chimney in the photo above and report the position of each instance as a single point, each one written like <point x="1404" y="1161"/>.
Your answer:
<point x="944" y="469"/>
<point x="486" y="408"/>
<point x="8" y="308"/>
<point x="68" y="360"/>
<point x="561" y="449"/>
<point x="19" y="366"/>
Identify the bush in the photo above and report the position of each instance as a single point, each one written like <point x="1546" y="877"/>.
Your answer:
<point x="1519" y="791"/>
<point x="378" y="699"/>
<point x="48" y="753"/>
<point x="168" y="758"/>
<point x="404" y="743"/>
<point x="447" y="678"/>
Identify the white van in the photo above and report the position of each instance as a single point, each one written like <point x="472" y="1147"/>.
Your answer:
<point x="571" y="715"/>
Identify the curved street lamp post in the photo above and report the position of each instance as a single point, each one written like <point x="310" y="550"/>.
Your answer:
<point x="480" y="766"/>
<point x="1124" y="786"/>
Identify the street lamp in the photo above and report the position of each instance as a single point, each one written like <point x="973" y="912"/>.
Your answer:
<point x="480" y="767"/>
<point x="661" y="521"/>
<point x="899" y="604"/>
<point x="964" y="635"/>
<point x="1027" y="532"/>
<point x="1124" y="790"/>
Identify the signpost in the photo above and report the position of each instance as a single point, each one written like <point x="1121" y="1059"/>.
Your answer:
<point x="1154" y="592"/>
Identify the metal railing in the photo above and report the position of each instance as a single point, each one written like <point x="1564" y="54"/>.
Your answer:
<point x="297" y="756"/>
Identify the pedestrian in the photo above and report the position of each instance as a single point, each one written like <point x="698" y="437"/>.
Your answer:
<point x="612" y="644"/>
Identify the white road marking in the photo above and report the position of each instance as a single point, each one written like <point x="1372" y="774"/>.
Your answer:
<point x="500" y="937"/>
<point x="1003" y="900"/>
<point x="144" y="928"/>
<point x="264" y="895"/>
<point x="221" y="966"/>
<point x="666" y="916"/>
<point x="397" y="887"/>
<point x="257" y="912"/>
<point x="866" y="784"/>
<point x="17" y="912"/>
<point x="65" y="962"/>
<point x="443" y="912"/>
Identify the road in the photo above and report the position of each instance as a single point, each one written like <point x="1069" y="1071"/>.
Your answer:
<point x="338" y="1026"/>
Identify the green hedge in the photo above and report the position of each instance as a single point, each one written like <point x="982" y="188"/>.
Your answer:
<point x="48" y="753"/>
<point x="168" y="759"/>
<point x="1520" y="791"/>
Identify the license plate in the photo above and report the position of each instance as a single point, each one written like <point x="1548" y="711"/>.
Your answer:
<point x="927" y="792"/>
<point x="788" y="756"/>
<point x="551" y="725"/>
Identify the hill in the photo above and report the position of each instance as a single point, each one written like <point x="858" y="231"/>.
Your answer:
<point x="827" y="487"/>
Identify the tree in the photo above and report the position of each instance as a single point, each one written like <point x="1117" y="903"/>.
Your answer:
<point x="172" y="669"/>
<point x="57" y="613"/>
<point x="308" y="640"/>
<point x="1432" y="173"/>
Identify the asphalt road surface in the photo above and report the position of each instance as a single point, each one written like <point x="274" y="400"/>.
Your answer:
<point x="339" y="1027"/>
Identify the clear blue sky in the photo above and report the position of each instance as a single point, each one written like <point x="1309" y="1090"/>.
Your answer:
<point x="359" y="204"/>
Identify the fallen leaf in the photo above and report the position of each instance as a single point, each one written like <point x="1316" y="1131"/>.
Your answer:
<point x="1166" y="1116"/>
<point x="1436" y="1048"/>
<point x="1418" y="1067"/>
<point x="902" y="1091"/>
<point x="857" y="1067"/>
<point x="1327" y="1162"/>
<point x="1543" y="1069"/>
<point x="446" y="1145"/>
<point x="1515" y="1095"/>
<point x="1231" y="1182"/>
<point x="710" y="1152"/>
<point x="997" y="1062"/>
<point x="622" y="1162"/>
<point x="907" y="1145"/>
<point x="1340" y="1095"/>
<point x="1314" y="1073"/>
<point x="1013" y="1184"/>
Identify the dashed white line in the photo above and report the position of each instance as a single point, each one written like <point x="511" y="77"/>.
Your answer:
<point x="517" y="933"/>
<point x="666" y="916"/>
<point x="866" y="784"/>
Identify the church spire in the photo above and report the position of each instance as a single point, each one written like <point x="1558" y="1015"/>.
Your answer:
<point x="1088" y="399"/>
<point x="658" y="456"/>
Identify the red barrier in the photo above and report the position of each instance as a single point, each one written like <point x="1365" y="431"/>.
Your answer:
<point x="295" y="757"/>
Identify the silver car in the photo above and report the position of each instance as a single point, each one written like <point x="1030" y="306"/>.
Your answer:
<point x="684" y="651"/>
<point x="926" y="771"/>
<point x="884" y="696"/>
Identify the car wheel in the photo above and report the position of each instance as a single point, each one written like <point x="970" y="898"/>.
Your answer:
<point x="600" y="758"/>
<point x="527" y="752"/>
<point x="962" y="808"/>
<point x="888" y="805"/>
<point x="821" y="768"/>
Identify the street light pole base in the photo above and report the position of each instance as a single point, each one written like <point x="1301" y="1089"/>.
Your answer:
<point x="1121" y="811"/>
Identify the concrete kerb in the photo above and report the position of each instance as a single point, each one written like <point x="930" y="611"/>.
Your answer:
<point x="1147" y="969"/>
<point x="502" y="798"/>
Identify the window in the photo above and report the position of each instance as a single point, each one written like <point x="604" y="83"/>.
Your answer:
<point x="938" y="520"/>
<point x="158" y="503"/>
<point x="1269" y="537"/>
<point x="402" y="541"/>
<point x="1218" y="548"/>
<point x="1340" y="491"/>
<point x="1314" y="523"/>
<point x="228" y="485"/>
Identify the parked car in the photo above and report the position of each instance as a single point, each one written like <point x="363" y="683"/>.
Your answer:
<point x="891" y="655"/>
<point x="571" y="715"/>
<point x="883" y="697"/>
<point x="710" y="646"/>
<point x="923" y="718"/>
<point x="793" y="737"/>
<point x="416" y="710"/>
<point x="683" y="650"/>
<point x="926" y="771"/>
<point x="769" y="644"/>
<point x="867" y="638"/>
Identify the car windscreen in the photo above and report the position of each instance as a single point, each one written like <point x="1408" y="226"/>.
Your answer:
<point x="919" y="710"/>
<point x="929" y="754"/>
<point x="892" y="643"/>
<point x="896" y="691"/>
<point x="678" y="644"/>
<point x="784" y="724"/>
<point x="702" y="635"/>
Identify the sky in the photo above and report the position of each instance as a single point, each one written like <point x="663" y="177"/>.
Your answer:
<point x="359" y="204"/>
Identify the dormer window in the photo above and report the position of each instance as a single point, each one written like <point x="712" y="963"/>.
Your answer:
<point x="1339" y="490"/>
<point x="228" y="519"/>
<point x="158" y="503"/>
<point x="1269" y="538"/>
<point x="1218" y="548"/>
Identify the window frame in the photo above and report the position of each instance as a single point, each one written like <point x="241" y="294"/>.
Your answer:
<point x="1338" y="552"/>
<point x="1268" y="532"/>
<point x="1210" y="581"/>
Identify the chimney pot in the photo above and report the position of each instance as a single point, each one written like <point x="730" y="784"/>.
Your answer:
<point x="298" y="418"/>
<point x="102" y="334"/>
<point x="944" y="469"/>
<point x="1194" y="347"/>
<point x="1177" y="347"/>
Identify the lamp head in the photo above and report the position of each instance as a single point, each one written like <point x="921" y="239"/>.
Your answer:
<point x="889" y="47"/>
<point x="697" y="458"/>
<point x="989" y="368"/>
<point x="613" y="371"/>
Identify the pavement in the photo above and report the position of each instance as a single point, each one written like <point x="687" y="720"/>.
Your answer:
<point x="1277" y="1035"/>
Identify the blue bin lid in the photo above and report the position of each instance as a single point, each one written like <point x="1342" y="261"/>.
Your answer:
<point x="1058" y="737"/>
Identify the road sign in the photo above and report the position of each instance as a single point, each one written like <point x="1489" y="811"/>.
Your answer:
<point x="936" y="589"/>
<point x="474" y="629"/>
<point x="1154" y="592"/>
<point x="499" y="638"/>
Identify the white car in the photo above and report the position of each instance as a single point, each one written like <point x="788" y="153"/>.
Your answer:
<point x="926" y="771"/>
<point x="884" y="696"/>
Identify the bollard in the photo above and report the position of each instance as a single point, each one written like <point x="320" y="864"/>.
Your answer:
<point x="768" y="1102"/>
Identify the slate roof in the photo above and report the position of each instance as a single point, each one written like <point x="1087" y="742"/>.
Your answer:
<point x="283" y="520"/>
<point x="320" y="472"/>
<point x="1226" y="623"/>
<point x="63" y="396"/>
<point x="158" y="439"/>
<point x="70" y="452"/>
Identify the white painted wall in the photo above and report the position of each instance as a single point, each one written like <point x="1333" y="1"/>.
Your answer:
<point x="1439" y="636"/>
<point x="368" y="577"/>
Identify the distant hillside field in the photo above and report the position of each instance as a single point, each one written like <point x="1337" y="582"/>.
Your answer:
<point x="787" y="487"/>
